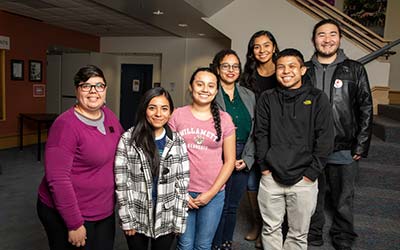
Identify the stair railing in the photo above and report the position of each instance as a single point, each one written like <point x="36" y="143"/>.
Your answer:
<point x="353" y="29"/>
<point x="358" y="25"/>
<point x="385" y="50"/>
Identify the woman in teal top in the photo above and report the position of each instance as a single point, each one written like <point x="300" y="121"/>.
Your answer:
<point x="239" y="102"/>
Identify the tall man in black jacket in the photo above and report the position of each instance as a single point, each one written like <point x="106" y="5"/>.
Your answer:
<point x="346" y="83"/>
<point x="294" y="137"/>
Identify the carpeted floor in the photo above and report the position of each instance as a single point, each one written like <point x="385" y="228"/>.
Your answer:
<point x="377" y="203"/>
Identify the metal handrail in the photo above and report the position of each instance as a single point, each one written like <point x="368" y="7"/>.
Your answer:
<point x="382" y="51"/>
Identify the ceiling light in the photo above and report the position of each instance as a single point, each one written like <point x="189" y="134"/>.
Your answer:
<point x="158" y="12"/>
<point x="201" y="34"/>
<point x="182" y="25"/>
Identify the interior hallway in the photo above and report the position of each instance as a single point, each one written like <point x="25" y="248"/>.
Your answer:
<point x="377" y="202"/>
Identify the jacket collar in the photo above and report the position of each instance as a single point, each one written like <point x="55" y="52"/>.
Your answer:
<point x="288" y="94"/>
<point x="339" y="59"/>
<point x="168" y="131"/>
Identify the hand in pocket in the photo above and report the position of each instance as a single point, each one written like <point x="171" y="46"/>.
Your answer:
<point x="266" y="172"/>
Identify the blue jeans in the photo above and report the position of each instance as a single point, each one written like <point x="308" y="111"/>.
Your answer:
<point x="254" y="178"/>
<point x="234" y="189"/>
<point x="201" y="224"/>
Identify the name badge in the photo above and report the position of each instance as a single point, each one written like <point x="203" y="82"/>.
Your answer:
<point x="338" y="84"/>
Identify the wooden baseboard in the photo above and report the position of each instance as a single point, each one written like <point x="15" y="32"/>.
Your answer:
<point x="12" y="141"/>
<point x="394" y="96"/>
<point x="380" y="95"/>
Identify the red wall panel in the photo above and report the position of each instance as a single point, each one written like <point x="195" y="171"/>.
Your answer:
<point x="29" y="40"/>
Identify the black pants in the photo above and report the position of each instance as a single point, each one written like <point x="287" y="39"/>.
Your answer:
<point x="141" y="242"/>
<point x="100" y="234"/>
<point x="340" y="181"/>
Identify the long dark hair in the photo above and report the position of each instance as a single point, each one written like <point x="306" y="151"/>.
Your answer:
<point x="220" y="56"/>
<point x="214" y="106"/>
<point x="143" y="133"/>
<point x="248" y="79"/>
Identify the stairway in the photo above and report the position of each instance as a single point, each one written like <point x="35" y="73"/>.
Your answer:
<point x="386" y="124"/>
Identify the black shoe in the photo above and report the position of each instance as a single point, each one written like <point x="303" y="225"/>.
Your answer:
<point x="314" y="240"/>
<point x="227" y="245"/>
<point x="341" y="247"/>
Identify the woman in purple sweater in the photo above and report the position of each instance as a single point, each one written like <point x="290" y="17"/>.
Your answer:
<point x="76" y="197"/>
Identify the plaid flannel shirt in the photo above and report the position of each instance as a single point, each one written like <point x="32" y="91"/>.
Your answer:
<point x="134" y="187"/>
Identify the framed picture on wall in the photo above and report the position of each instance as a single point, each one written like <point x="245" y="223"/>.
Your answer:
<point x="35" y="71"/>
<point x="17" y="70"/>
<point x="39" y="90"/>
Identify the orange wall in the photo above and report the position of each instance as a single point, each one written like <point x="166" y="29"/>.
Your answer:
<point x="29" y="40"/>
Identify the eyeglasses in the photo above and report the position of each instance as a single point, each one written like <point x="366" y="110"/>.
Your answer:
<point x="227" y="67"/>
<point x="87" y="87"/>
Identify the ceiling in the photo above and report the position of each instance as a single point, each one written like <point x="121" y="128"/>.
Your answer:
<point x="123" y="17"/>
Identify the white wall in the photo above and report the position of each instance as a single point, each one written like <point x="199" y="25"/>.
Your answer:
<point x="109" y="65"/>
<point x="392" y="32"/>
<point x="152" y="59"/>
<point x="179" y="57"/>
<point x="171" y="49"/>
<point x="290" y="26"/>
<point x="339" y="4"/>
<point x="70" y="64"/>
<point x="64" y="68"/>
<point x="200" y="53"/>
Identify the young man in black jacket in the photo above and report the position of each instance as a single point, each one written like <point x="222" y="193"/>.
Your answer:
<point x="294" y="137"/>
<point x="346" y="83"/>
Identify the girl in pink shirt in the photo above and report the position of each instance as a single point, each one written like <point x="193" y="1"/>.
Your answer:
<point x="210" y="138"/>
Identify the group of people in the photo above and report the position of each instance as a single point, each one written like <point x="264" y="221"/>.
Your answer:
<point x="288" y="132"/>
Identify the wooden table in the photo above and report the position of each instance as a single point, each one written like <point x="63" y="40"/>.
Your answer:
<point x="39" y="119"/>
